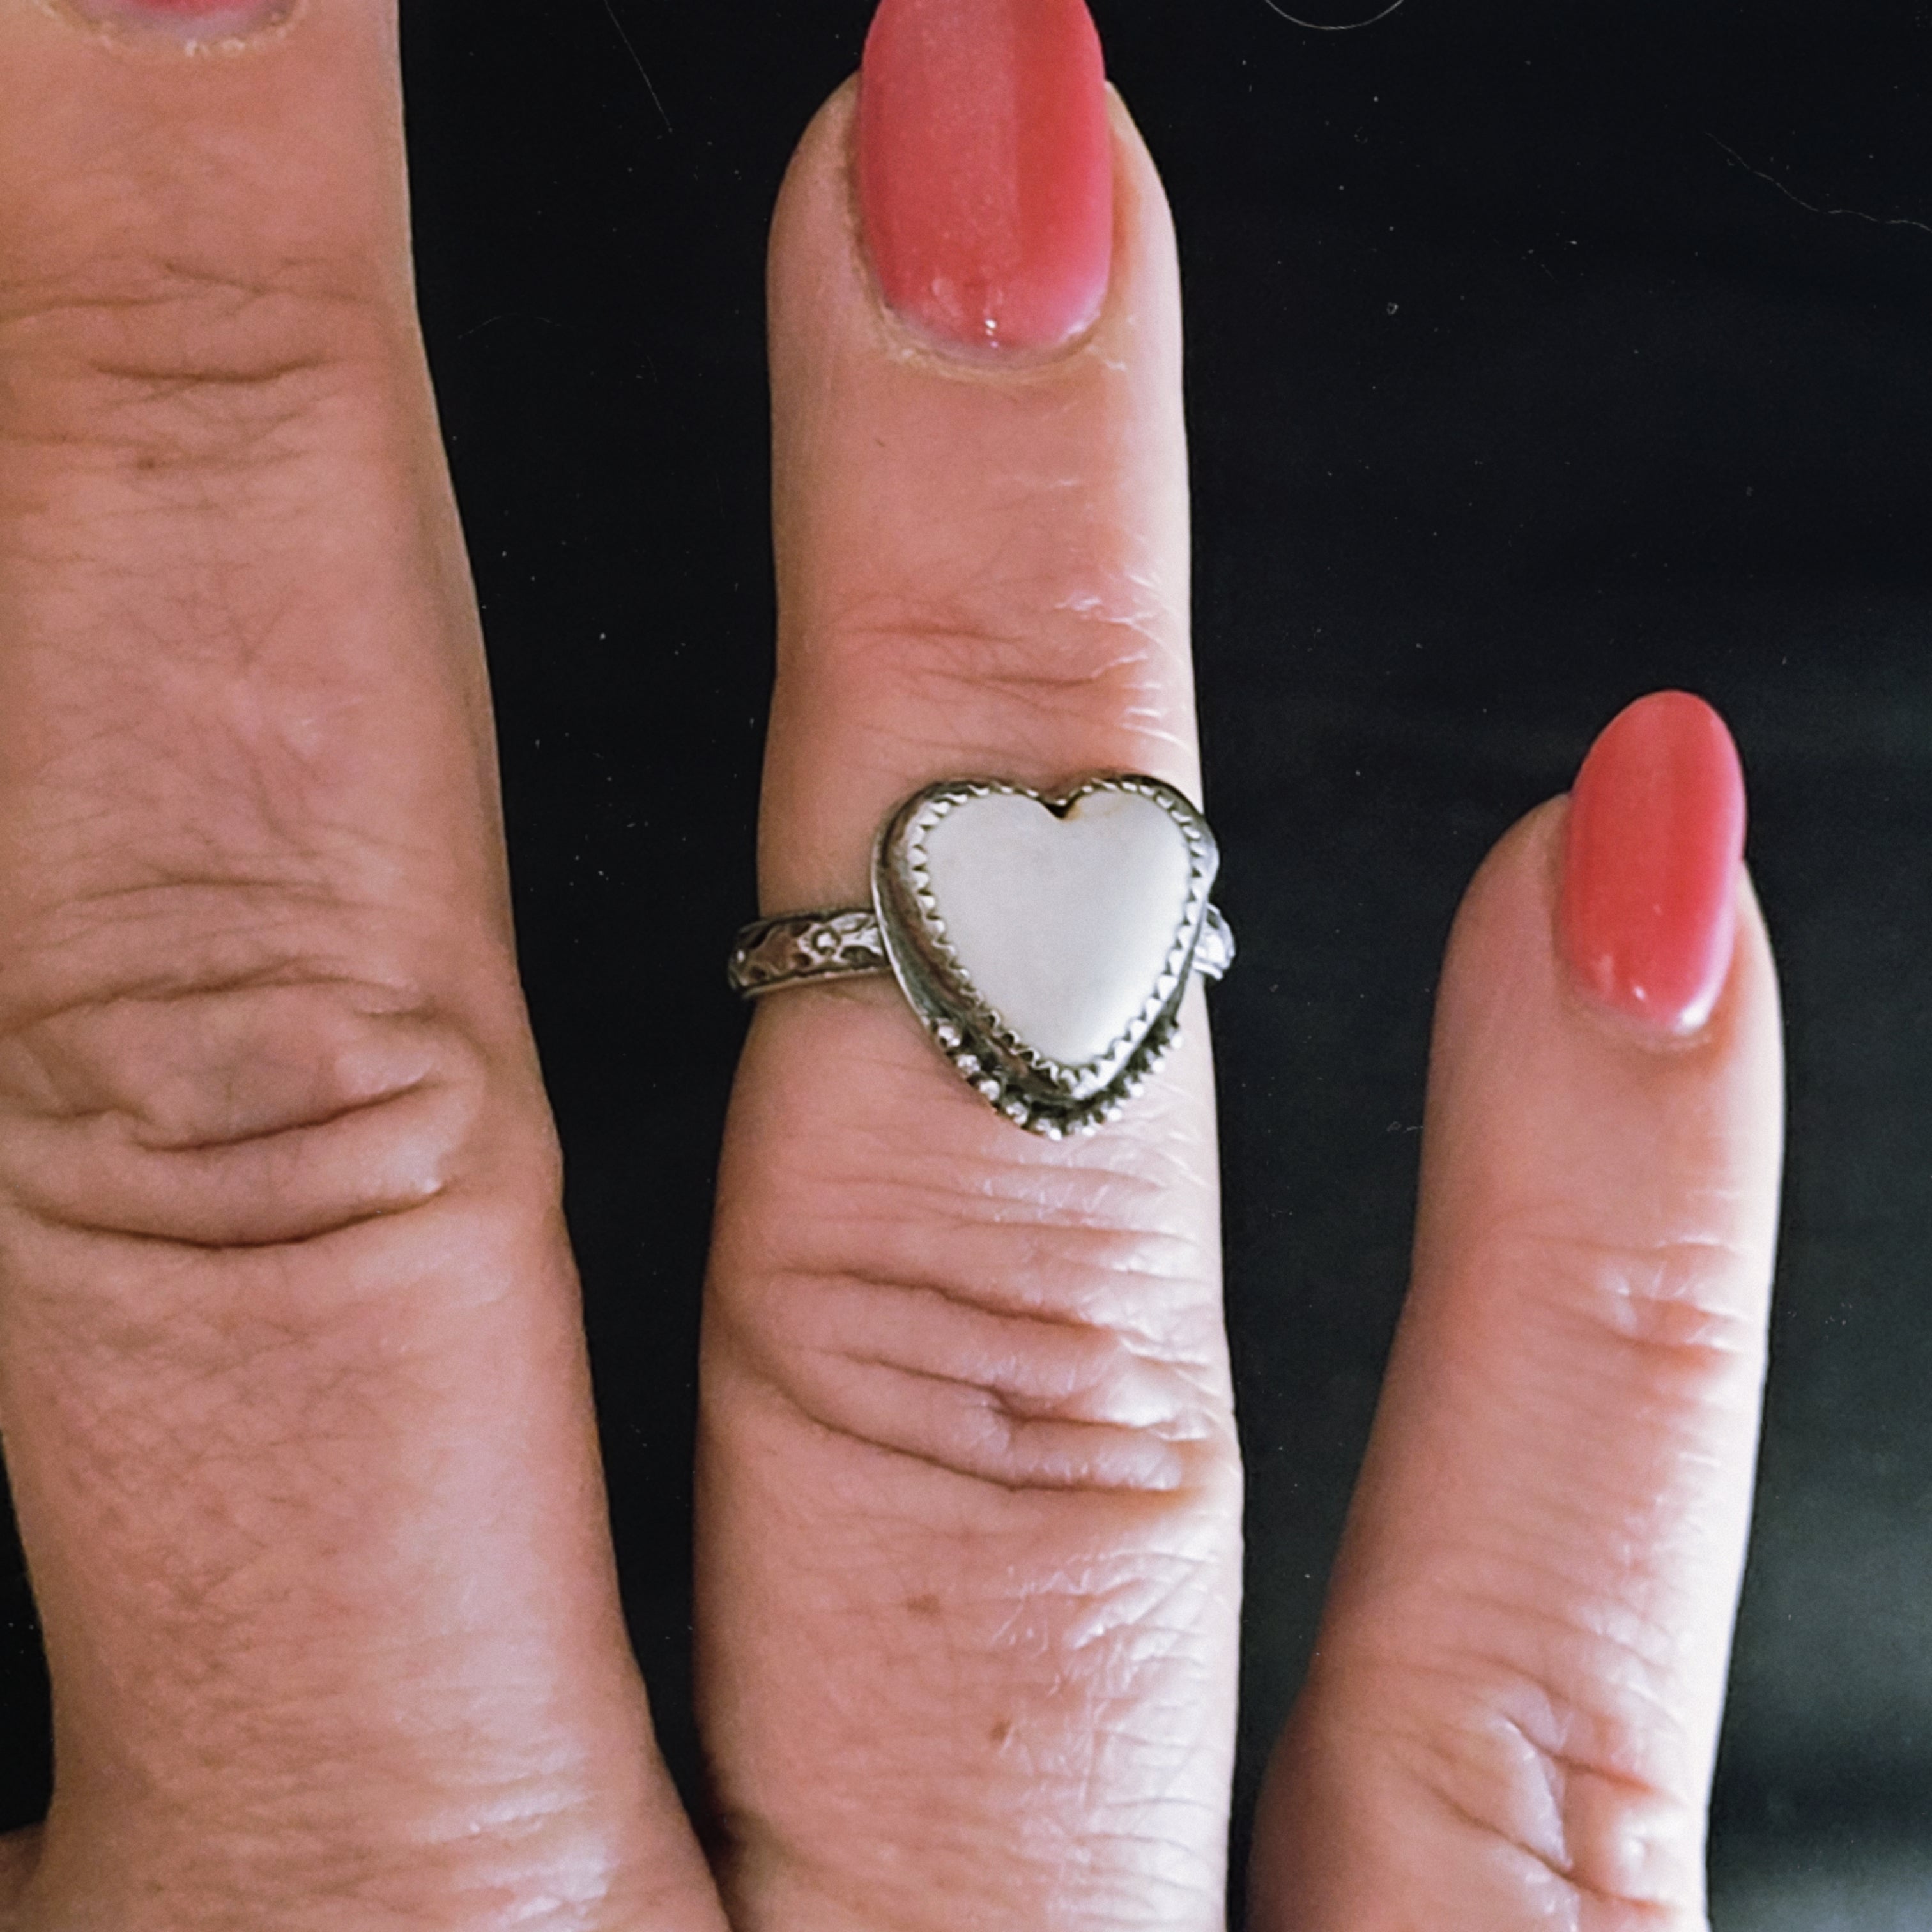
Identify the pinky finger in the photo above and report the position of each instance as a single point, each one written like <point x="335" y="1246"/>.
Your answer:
<point x="1512" y="1712"/>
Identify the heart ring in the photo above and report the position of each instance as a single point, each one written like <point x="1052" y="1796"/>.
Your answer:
<point x="1044" y="939"/>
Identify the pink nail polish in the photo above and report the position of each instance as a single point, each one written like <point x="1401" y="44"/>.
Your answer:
<point x="189" y="23"/>
<point x="1655" y="839"/>
<point x="986" y="168"/>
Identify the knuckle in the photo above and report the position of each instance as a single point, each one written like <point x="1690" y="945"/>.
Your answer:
<point x="237" y="1116"/>
<point x="159" y="364"/>
<point x="985" y="664"/>
<point x="1563" y="1794"/>
<point x="1015" y="1400"/>
<point x="1687" y="1306"/>
<point x="1028" y="1336"/>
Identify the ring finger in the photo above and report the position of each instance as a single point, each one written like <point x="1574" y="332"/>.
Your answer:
<point x="968" y="1560"/>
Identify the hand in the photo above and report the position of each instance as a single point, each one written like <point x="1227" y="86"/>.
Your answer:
<point x="290" y="1367"/>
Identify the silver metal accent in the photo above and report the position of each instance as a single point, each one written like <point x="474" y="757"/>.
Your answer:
<point x="1214" y="950"/>
<point x="806" y="947"/>
<point x="901" y="932"/>
<point x="802" y="947"/>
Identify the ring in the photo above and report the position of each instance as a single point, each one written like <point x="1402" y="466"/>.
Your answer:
<point x="1044" y="939"/>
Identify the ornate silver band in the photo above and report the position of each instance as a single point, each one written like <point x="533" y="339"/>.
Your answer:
<point x="801" y="948"/>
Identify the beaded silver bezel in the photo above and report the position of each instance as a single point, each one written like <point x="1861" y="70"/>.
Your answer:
<point x="1029" y="1088"/>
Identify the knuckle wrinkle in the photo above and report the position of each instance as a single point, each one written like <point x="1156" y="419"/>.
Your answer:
<point x="235" y="1117"/>
<point x="161" y="365"/>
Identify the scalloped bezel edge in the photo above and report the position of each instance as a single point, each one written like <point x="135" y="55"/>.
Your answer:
<point x="1029" y="1087"/>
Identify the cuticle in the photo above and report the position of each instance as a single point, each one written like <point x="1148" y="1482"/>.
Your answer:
<point x="158" y="42"/>
<point x="1666" y="1041"/>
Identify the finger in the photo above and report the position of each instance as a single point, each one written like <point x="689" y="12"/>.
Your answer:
<point x="1511" y="1716"/>
<point x="968" y="1551"/>
<point x="290" y="1368"/>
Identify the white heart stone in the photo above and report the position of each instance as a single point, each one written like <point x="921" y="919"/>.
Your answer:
<point x="1063" y="925"/>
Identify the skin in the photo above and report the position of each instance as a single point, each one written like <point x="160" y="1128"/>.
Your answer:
<point x="291" y="1377"/>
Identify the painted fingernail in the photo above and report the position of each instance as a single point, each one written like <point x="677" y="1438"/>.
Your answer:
<point x="1650" y="872"/>
<point x="986" y="168"/>
<point x="191" y="23"/>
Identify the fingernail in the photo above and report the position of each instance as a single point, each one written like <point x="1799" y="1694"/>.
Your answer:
<point x="986" y="168"/>
<point x="1655" y="839"/>
<point x="190" y="23"/>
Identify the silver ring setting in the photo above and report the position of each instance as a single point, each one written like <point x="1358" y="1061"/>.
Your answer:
<point x="1045" y="940"/>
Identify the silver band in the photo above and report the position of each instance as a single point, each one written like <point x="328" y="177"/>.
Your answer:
<point x="801" y="948"/>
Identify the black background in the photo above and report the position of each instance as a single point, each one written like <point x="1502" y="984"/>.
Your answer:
<point x="1541" y="354"/>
